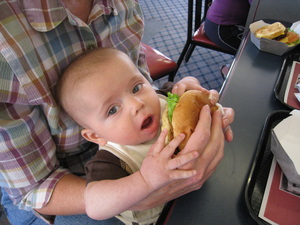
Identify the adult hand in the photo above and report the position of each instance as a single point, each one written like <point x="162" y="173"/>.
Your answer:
<point x="191" y="83"/>
<point x="208" y="140"/>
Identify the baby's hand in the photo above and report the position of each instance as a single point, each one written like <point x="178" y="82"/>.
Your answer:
<point x="160" y="168"/>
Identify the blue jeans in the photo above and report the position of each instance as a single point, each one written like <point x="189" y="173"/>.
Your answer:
<point x="22" y="217"/>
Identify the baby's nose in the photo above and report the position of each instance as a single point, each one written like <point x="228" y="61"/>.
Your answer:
<point x="136" y="105"/>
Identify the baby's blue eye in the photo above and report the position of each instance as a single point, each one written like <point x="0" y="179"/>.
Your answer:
<point x="113" y="110"/>
<point x="137" y="88"/>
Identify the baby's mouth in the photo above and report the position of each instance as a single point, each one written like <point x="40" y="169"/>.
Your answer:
<point x="147" y="122"/>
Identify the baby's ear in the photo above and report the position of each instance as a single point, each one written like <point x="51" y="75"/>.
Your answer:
<point x="91" y="136"/>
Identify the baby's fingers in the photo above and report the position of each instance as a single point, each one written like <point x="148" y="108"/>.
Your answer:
<point x="158" y="146"/>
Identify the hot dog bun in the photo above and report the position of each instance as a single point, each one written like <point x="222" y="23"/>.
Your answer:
<point x="186" y="114"/>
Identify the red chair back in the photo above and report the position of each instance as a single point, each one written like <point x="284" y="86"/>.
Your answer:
<point x="159" y="64"/>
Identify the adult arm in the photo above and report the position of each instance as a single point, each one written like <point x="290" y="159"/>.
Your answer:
<point x="29" y="167"/>
<point x="67" y="197"/>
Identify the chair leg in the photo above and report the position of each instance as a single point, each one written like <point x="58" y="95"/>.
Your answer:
<point x="172" y="75"/>
<point x="189" y="52"/>
<point x="182" y="55"/>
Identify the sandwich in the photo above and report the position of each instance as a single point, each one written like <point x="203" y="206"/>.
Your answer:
<point x="271" y="31"/>
<point x="182" y="113"/>
<point x="277" y="31"/>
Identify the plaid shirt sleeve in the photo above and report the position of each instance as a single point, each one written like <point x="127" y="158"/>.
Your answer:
<point x="39" y="144"/>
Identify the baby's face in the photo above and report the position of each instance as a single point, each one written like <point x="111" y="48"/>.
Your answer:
<point x="122" y="106"/>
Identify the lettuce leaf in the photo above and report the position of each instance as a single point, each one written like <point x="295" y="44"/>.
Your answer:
<point x="171" y="102"/>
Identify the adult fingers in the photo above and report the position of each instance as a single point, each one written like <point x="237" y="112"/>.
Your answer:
<point x="170" y="148"/>
<point x="201" y="135"/>
<point x="214" y="97"/>
<point x="214" y="151"/>
<point x="187" y="83"/>
<point x="182" y="174"/>
<point x="181" y="160"/>
<point x="228" y="134"/>
<point x="228" y="118"/>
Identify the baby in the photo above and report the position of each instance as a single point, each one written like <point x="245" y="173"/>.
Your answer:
<point x="105" y="93"/>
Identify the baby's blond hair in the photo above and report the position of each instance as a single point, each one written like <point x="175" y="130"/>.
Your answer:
<point x="68" y="87"/>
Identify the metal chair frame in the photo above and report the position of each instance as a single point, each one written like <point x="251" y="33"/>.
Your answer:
<point x="195" y="20"/>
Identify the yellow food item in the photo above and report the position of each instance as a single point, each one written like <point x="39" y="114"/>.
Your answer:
<point x="271" y="31"/>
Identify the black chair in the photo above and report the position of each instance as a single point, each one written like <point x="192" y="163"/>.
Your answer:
<point x="195" y="32"/>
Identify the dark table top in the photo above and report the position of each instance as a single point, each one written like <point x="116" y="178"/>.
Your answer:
<point x="249" y="89"/>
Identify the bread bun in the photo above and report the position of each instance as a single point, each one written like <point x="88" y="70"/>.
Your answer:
<point x="186" y="114"/>
<point x="271" y="31"/>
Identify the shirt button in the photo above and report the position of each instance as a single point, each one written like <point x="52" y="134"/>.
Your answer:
<point x="91" y="46"/>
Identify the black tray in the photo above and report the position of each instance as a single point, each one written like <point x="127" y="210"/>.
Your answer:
<point x="261" y="166"/>
<point x="283" y="77"/>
